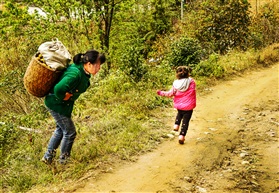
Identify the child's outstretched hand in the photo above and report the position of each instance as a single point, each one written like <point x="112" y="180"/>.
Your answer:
<point x="158" y="92"/>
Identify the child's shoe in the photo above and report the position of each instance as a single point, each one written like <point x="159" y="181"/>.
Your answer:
<point x="181" y="139"/>
<point x="176" y="127"/>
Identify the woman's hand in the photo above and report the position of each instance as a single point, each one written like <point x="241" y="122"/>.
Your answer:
<point x="67" y="96"/>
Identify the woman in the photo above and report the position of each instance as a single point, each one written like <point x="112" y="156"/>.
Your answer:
<point x="60" y="102"/>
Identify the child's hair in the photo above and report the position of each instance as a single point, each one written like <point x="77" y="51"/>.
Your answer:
<point x="183" y="72"/>
<point x="90" y="56"/>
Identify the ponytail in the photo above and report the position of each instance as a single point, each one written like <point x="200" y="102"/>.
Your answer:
<point x="78" y="58"/>
<point x="102" y="58"/>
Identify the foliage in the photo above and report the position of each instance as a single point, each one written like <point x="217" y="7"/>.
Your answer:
<point x="223" y="66"/>
<point x="115" y="119"/>
<point x="269" y="55"/>
<point x="132" y="62"/>
<point x="16" y="48"/>
<point x="120" y="116"/>
<point x="161" y="16"/>
<point x="224" y="24"/>
<point x="235" y="61"/>
<point x="146" y="20"/>
<point x="185" y="51"/>
<point x="115" y="126"/>
<point x="209" y="68"/>
<point x="265" y="26"/>
<point x="8" y="136"/>
<point x="14" y="25"/>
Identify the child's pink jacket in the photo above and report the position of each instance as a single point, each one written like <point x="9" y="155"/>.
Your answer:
<point x="184" y="93"/>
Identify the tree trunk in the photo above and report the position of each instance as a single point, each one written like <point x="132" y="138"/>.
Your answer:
<point x="105" y="26"/>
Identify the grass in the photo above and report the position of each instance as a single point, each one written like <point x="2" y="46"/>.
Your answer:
<point x="269" y="56"/>
<point x="115" y="120"/>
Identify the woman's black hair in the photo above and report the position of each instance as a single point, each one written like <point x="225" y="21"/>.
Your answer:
<point x="102" y="58"/>
<point x="90" y="56"/>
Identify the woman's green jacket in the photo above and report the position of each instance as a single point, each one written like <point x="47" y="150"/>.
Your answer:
<point x="73" y="80"/>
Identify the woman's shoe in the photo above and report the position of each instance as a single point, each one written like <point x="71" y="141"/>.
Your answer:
<point x="181" y="139"/>
<point x="46" y="161"/>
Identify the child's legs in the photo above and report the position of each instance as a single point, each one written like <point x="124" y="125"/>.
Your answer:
<point x="185" y="123"/>
<point x="179" y="117"/>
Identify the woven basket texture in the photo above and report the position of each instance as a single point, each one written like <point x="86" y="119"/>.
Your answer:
<point x="38" y="79"/>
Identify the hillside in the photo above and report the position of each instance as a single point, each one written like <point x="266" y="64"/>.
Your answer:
<point x="120" y="117"/>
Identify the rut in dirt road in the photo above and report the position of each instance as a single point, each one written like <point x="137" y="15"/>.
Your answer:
<point x="215" y="132"/>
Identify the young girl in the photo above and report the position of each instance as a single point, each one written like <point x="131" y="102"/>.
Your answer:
<point x="183" y="92"/>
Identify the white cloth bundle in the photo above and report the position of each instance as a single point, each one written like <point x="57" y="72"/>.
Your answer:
<point x="55" y="54"/>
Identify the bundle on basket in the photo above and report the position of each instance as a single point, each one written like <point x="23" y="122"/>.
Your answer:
<point x="45" y="68"/>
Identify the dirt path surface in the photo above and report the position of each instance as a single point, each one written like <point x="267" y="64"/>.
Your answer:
<point x="232" y="145"/>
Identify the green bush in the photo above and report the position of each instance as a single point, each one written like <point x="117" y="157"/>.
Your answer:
<point x="185" y="52"/>
<point x="132" y="62"/>
<point x="209" y="68"/>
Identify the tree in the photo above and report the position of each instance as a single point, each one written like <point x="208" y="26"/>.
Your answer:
<point x="157" y="22"/>
<point x="225" y="24"/>
<point x="161" y="16"/>
<point x="82" y="18"/>
<point x="105" y="11"/>
<point x="265" y="26"/>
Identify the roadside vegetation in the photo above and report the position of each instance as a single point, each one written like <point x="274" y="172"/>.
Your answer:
<point x="120" y="117"/>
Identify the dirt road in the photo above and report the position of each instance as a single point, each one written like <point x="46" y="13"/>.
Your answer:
<point x="231" y="146"/>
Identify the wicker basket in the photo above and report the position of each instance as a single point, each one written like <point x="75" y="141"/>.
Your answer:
<point x="39" y="78"/>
